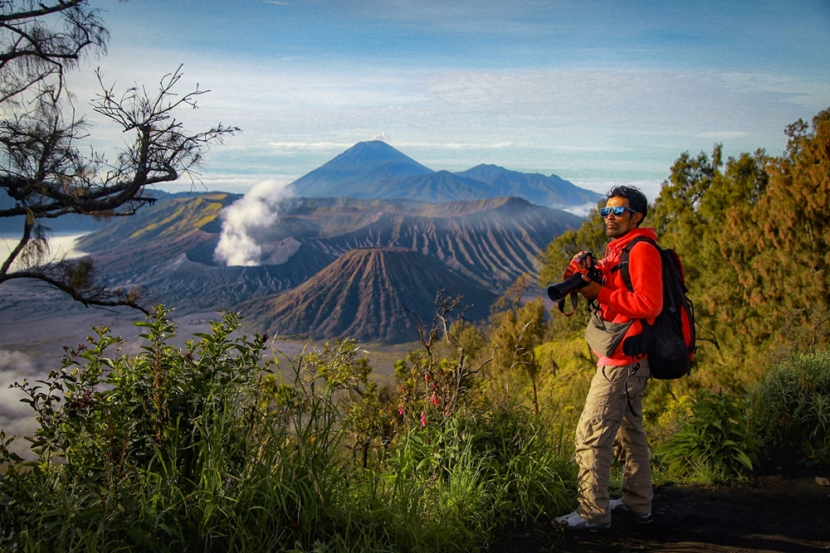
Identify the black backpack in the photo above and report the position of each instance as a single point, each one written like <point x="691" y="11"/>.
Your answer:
<point x="669" y="343"/>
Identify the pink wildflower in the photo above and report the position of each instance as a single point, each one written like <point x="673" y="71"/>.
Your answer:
<point x="434" y="400"/>
<point x="426" y="377"/>
<point x="400" y="410"/>
<point x="423" y="419"/>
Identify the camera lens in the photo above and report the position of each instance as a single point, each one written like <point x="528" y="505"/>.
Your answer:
<point x="560" y="291"/>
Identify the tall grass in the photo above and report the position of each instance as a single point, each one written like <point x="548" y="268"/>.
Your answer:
<point x="201" y="449"/>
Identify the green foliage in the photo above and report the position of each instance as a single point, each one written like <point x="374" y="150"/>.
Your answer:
<point x="205" y="449"/>
<point x="714" y="443"/>
<point x="791" y="405"/>
<point x="170" y="450"/>
<point x="368" y="409"/>
<point x="778" y="245"/>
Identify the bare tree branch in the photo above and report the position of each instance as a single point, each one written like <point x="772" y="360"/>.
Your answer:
<point x="42" y="170"/>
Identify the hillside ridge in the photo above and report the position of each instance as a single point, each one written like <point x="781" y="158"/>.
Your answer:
<point x="369" y="294"/>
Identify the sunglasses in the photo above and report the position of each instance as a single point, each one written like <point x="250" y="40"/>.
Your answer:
<point x="618" y="211"/>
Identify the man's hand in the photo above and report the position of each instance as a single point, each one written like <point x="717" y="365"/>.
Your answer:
<point x="586" y="261"/>
<point x="591" y="291"/>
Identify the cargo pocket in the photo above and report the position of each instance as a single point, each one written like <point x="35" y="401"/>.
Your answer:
<point x="601" y="427"/>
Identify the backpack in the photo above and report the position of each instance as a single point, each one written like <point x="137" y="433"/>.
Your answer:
<point x="669" y="343"/>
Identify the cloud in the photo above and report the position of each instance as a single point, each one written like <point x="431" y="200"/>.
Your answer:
<point x="309" y="145"/>
<point x="16" y="417"/>
<point x="581" y="210"/>
<point x="383" y="137"/>
<point x="258" y="209"/>
<point x="722" y="135"/>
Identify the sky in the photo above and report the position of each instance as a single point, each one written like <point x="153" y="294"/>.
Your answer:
<point x="598" y="92"/>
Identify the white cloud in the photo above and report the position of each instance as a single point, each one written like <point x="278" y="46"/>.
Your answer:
<point x="581" y="210"/>
<point x="722" y="135"/>
<point x="59" y="247"/>
<point x="282" y="146"/>
<point x="545" y="114"/>
<point x="256" y="210"/>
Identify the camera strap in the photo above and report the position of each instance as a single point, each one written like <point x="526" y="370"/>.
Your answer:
<point x="574" y="302"/>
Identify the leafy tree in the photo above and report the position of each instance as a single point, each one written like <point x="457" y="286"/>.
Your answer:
<point x="779" y="244"/>
<point x="43" y="173"/>
<point x="689" y="216"/>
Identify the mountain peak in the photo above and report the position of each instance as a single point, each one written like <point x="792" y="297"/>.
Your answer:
<point x="367" y="294"/>
<point x="360" y="166"/>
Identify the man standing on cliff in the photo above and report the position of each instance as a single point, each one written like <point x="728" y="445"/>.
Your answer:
<point x="613" y="407"/>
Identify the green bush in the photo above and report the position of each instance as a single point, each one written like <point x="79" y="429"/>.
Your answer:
<point x="791" y="406"/>
<point x="206" y="449"/>
<point x="171" y="450"/>
<point x="714" y="443"/>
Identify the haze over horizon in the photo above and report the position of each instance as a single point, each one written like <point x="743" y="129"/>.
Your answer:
<point x="595" y="91"/>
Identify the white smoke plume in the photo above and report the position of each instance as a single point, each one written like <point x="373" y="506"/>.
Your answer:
<point x="257" y="209"/>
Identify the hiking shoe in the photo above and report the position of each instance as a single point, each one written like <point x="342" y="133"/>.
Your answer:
<point x="575" y="522"/>
<point x="620" y="507"/>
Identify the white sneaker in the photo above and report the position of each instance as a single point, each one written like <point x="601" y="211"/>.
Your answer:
<point x="620" y="507"/>
<point x="575" y="522"/>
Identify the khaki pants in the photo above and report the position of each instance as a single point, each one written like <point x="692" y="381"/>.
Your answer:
<point x="613" y="408"/>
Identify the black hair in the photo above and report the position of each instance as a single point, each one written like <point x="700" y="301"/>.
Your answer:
<point x="637" y="201"/>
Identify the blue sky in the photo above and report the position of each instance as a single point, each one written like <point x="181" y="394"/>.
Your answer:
<point x="595" y="91"/>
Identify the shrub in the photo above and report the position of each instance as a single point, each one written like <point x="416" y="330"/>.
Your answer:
<point x="791" y="406"/>
<point x="205" y="449"/>
<point x="714" y="443"/>
<point x="171" y="450"/>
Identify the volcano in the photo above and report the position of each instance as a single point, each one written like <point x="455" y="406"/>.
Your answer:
<point x="369" y="294"/>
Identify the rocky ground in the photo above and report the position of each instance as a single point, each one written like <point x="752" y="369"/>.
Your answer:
<point x="784" y="509"/>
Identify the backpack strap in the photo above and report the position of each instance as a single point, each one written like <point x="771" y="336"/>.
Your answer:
<point x="623" y="264"/>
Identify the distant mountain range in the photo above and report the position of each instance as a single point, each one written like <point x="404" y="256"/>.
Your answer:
<point x="480" y="247"/>
<point x="365" y="237"/>
<point x="376" y="170"/>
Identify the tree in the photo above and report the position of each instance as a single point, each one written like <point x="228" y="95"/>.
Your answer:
<point x="690" y="216"/>
<point x="42" y="170"/>
<point x="779" y="244"/>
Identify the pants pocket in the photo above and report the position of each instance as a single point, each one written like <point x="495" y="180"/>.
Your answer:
<point x="600" y="427"/>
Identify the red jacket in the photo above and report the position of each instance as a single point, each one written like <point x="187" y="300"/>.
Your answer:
<point x="616" y="303"/>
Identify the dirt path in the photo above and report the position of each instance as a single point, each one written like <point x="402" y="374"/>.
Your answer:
<point x="775" y="514"/>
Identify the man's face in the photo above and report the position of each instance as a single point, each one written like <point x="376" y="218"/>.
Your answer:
<point x="616" y="226"/>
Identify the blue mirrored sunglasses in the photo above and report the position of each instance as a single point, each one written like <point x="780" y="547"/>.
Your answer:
<point x="618" y="211"/>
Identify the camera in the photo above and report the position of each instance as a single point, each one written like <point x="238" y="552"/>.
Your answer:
<point x="560" y="291"/>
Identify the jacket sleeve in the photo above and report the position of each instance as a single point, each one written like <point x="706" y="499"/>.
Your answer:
<point x="646" y="301"/>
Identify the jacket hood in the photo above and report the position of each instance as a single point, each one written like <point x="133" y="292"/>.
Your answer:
<point x="617" y="245"/>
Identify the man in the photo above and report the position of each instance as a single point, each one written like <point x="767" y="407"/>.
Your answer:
<point x="613" y="407"/>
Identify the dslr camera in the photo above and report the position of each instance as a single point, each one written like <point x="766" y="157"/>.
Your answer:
<point x="560" y="291"/>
